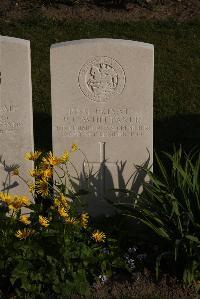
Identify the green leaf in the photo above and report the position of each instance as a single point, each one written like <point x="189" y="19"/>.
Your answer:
<point x="192" y="238"/>
<point x="158" y="230"/>
<point x="162" y="169"/>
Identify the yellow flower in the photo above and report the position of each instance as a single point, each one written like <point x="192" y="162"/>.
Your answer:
<point x="15" y="203"/>
<point x="25" y="219"/>
<point x="65" y="157"/>
<point x="71" y="220"/>
<point x="62" y="201"/>
<point x="15" y="171"/>
<point x="7" y="198"/>
<point x="44" y="166"/>
<point x="25" y="201"/>
<point x="42" y="188"/>
<point x="32" y="155"/>
<point x="62" y="211"/>
<point x="47" y="174"/>
<point x="43" y="221"/>
<point x="98" y="236"/>
<point x="57" y="202"/>
<point x="50" y="159"/>
<point x="84" y="219"/>
<point x="74" y="147"/>
<point x="35" y="172"/>
<point x="31" y="187"/>
<point x="23" y="234"/>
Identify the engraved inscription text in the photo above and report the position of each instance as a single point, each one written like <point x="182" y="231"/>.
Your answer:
<point x="99" y="122"/>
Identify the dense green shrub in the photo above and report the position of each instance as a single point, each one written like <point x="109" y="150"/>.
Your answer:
<point x="170" y="206"/>
<point x="49" y="247"/>
<point x="52" y="250"/>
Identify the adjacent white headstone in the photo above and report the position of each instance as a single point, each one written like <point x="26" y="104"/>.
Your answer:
<point x="102" y="100"/>
<point x="16" y="119"/>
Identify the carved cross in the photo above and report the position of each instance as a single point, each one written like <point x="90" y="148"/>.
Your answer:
<point x="102" y="167"/>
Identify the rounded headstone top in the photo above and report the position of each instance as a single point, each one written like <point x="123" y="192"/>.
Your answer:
<point x="103" y="40"/>
<point x="10" y="39"/>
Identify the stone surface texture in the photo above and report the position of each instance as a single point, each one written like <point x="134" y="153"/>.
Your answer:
<point x="16" y="119"/>
<point x="102" y="100"/>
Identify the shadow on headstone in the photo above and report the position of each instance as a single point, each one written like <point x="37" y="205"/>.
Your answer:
<point x="9" y="182"/>
<point x="178" y="130"/>
<point x="98" y="201"/>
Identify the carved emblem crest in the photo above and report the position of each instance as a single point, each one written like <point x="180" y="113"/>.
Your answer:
<point x="101" y="78"/>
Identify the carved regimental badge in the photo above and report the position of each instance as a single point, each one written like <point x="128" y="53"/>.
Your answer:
<point x="101" y="78"/>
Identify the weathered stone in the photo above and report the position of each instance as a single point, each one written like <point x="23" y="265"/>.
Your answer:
<point x="16" y="120"/>
<point x="102" y="100"/>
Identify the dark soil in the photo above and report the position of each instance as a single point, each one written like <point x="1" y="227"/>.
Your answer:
<point x="181" y="10"/>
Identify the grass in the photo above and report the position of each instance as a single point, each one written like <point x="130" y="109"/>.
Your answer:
<point x="177" y="65"/>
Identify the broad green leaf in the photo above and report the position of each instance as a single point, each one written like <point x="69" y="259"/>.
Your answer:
<point x="162" y="169"/>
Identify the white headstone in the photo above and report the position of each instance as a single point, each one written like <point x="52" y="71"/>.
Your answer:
<point x="102" y="100"/>
<point x="16" y="119"/>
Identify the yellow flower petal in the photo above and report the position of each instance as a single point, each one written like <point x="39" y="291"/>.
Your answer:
<point x="43" y="221"/>
<point x="47" y="174"/>
<point x="98" y="236"/>
<point x="32" y="155"/>
<point x="31" y="187"/>
<point x="65" y="157"/>
<point x="50" y="159"/>
<point x="84" y="219"/>
<point x="25" y="233"/>
<point x="35" y="172"/>
<point x="7" y="198"/>
<point x="25" y="219"/>
<point x="42" y="188"/>
<point x="74" y="147"/>
<point x="63" y="212"/>
<point x="71" y="220"/>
